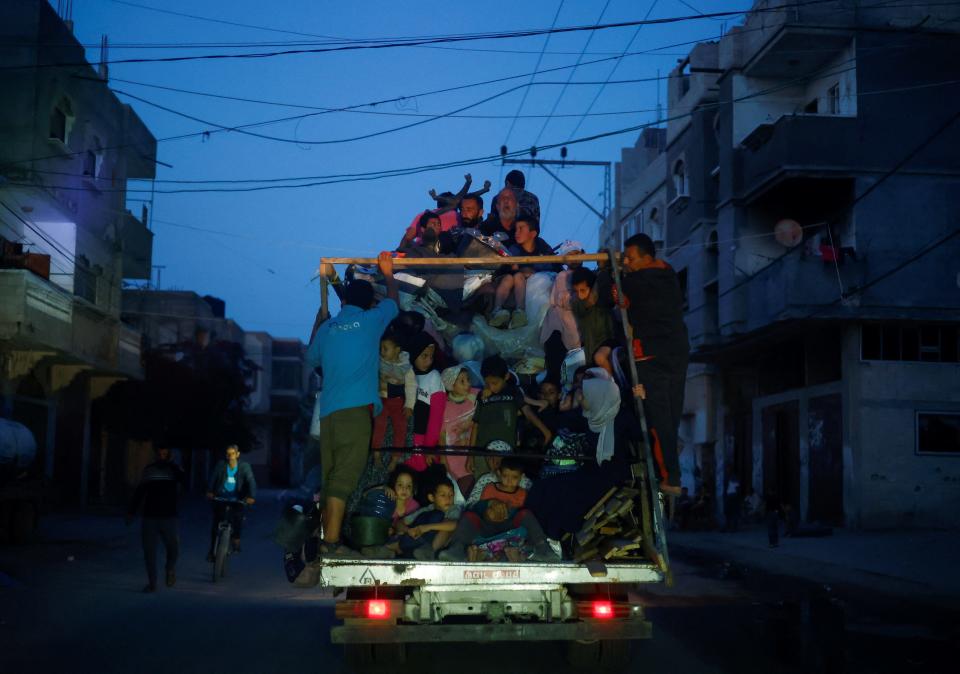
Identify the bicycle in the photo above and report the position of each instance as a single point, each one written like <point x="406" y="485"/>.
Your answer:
<point x="222" y="547"/>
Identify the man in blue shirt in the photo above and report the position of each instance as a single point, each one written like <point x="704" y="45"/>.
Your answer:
<point x="347" y="349"/>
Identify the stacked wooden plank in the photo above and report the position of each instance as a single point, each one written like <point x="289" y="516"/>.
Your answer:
<point x="612" y="529"/>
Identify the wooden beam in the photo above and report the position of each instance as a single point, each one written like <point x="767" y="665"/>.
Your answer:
<point x="458" y="261"/>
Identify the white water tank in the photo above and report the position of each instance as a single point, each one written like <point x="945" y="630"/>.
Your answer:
<point x="18" y="448"/>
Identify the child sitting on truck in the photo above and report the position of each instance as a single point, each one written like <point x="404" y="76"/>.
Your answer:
<point x="499" y="510"/>
<point x="498" y="407"/>
<point x="400" y="489"/>
<point x="491" y="477"/>
<point x="458" y="422"/>
<point x="428" y="529"/>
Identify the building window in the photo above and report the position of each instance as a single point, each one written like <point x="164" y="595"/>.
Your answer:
<point x="638" y="223"/>
<point x="61" y="121"/>
<point x="93" y="159"/>
<point x="680" y="178"/>
<point x="938" y="433"/>
<point x="684" y="79"/>
<point x="917" y="343"/>
<point x="85" y="282"/>
<point x="285" y="375"/>
<point x="682" y="277"/>
<point x="711" y="258"/>
<point x="833" y="99"/>
<point x="656" y="228"/>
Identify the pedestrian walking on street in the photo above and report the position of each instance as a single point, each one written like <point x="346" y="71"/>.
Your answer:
<point x="732" y="504"/>
<point x="157" y="492"/>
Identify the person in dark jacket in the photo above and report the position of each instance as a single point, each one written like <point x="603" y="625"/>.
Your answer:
<point x="232" y="479"/>
<point x="661" y="349"/>
<point x="157" y="492"/>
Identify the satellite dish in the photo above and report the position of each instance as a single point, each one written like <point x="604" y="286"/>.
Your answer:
<point x="788" y="232"/>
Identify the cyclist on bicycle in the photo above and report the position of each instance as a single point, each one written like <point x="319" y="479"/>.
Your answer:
<point x="231" y="479"/>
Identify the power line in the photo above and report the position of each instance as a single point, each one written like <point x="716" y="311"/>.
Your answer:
<point x="395" y="99"/>
<point x="616" y="64"/>
<point x="556" y="103"/>
<point x="304" y="106"/>
<point x="388" y="43"/>
<point x="546" y="122"/>
<point x="479" y="160"/>
<point x="523" y="100"/>
<point x="373" y="134"/>
<point x="209" y="132"/>
<point x="221" y="21"/>
<point x="270" y="183"/>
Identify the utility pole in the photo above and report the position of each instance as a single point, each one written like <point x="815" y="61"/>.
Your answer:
<point x="607" y="170"/>
<point x="159" y="268"/>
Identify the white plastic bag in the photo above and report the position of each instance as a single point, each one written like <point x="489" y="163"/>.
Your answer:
<point x="467" y="346"/>
<point x="574" y="359"/>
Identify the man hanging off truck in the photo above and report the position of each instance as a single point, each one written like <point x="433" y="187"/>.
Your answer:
<point x="347" y="349"/>
<point x="660" y="347"/>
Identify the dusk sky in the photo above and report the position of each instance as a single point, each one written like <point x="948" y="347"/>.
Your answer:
<point x="258" y="250"/>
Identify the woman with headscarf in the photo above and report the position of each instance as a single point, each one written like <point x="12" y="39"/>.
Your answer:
<point x="559" y="503"/>
<point x="427" y="413"/>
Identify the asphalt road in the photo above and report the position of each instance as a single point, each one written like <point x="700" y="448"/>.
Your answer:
<point x="71" y="602"/>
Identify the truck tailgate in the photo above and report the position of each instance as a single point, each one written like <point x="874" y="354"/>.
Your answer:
<point x="346" y="573"/>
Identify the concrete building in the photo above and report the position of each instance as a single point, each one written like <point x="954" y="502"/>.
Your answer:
<point x="68" y="146"/>
<point x="278" y="386"/>
<point x="279" y="405"/>
<point x="812" y="190"/>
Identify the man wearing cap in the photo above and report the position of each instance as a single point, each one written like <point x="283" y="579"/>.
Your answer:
<point x="347" y="347"/>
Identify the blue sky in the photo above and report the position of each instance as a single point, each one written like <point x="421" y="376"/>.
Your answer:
<point x="262" y="266"/>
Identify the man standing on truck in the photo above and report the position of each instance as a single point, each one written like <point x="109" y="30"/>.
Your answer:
<point x="660" y="347"/>
<point x="347" y="349"/>
<point x="157" y="492"/>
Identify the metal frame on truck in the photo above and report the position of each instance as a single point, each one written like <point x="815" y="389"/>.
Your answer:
<point x="389" y="603"/>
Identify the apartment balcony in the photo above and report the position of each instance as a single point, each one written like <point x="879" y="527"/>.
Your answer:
<point x="34" y="313"/>
<point x="795" y="287"/>
<point x="137" y="242"/>
<point x="796" y="145"/>
<point x="43" y="320"/>
<point x="796" y="51"/>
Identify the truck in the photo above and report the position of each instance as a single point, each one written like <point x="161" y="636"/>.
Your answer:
<point x="585" y="603"/>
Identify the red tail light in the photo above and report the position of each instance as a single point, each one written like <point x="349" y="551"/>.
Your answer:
<point x="378" y="609"/>
<point x="602" y="609"/>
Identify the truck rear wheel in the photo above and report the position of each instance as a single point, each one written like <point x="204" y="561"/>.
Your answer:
<point x="375" y="657"/>
<point x="611" y="653"/>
